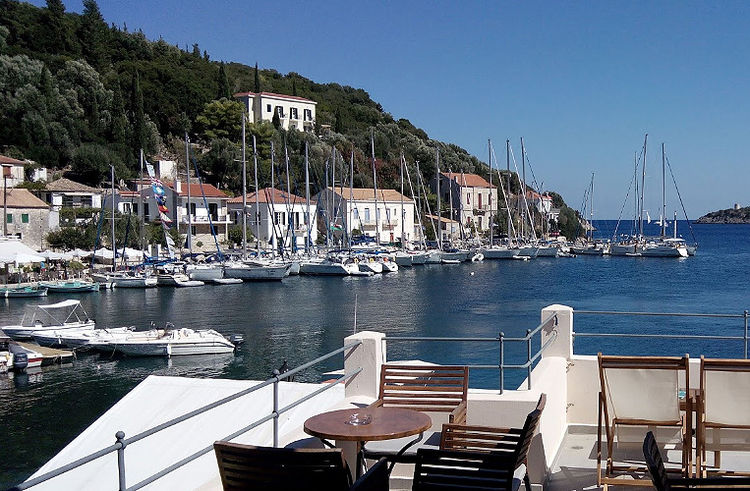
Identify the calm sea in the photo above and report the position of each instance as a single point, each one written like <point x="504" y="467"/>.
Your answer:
<point x="302" y="318"/>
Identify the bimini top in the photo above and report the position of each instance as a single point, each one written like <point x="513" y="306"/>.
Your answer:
<point x="60" y="305"/>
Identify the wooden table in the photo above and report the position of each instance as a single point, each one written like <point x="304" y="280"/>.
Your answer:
<point x="386" y="423"/>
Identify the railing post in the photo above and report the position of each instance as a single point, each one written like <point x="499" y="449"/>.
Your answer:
<point x="745" y="340"/>
<point x="528" y="359"/>
<point x="502" y="362"/>
<point x="276" y="374"/>
<point x="120" y="436"/>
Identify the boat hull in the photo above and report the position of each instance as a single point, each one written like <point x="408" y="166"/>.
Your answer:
<point x="500" y="253"/>
<point x="205" y="273"/>
<point x="258" y="273"/>
<point x="327" y="269"/>
<point x="28" y="332"/>
<point x="71" y="286"/>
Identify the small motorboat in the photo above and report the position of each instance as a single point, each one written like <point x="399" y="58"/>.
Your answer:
<point x="68" y="314"/>
<point x="174" y="342"/>
<point x="25" y="292"/>
<point x="70" y="286"/>
<point x="176" y="279"/>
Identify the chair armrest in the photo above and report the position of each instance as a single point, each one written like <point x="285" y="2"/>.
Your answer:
<point x="458" y="415"/>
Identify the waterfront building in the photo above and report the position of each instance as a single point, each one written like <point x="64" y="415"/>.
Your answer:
<point x="28" y="218"/>
<point x="471" y="198"/>
<point x="293" y="112"/>
<point x="282" y="217"/>
<point x="201" y="217"/>
<point x="451" y="228"/>
<point x="70" y="194"/>
<point x="355" y="211"/>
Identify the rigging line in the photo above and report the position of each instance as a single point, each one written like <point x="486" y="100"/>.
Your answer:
<point x="205" y="204"/>
<point x="622" y="209"/>
<point x="505" y="197"/>
<point x="419" y="214"/>
<point x="674" y="181"/>
<point x="427" y="202"/>
<point x="523" y="193"/>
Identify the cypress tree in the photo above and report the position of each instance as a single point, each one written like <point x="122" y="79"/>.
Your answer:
<point x="257" y="79"/>
<point x="294" y="86"/>
<point x="223" y="83"/>
<point x="93" y="34"/>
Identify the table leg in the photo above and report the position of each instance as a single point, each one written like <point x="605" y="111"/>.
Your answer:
<point x="360" y="459"/>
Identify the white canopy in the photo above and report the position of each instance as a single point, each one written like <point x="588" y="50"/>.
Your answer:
<point x="57" y="256"/>
<point x="14" y="251"/>
<point x="60" y="305"/>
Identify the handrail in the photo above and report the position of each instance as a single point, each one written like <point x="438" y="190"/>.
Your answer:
<point x="122" y="442"/>
<point x="501" y="339"/>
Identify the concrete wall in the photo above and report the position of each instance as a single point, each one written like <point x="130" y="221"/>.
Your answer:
<point x="32" y="233"/>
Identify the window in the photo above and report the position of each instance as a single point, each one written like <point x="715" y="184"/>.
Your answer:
<point x="213" y="210"/>
<point x="268" y="108"/>
<point x="280" y="111"/>
<point x="480" y="201"/>
<point x="308" y="114"/>
<point x="146" y="215"/>
<point x="25" y="218"/>
<point x="278" y="218"/>
<point x="293" y="113"/>
<point x="468" y="199"/>
<point x="367" y="214"/>
<point x="355" y="214"/>
<point x="9" y="218"/>
<point x="192" y="209"/>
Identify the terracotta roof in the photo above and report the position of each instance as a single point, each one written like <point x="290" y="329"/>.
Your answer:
<point x="442" y="219"/>
<point x="530" y="193"/>
<point x="468" y="180"/>
<point x="64" y="185"/>
<point x="269" y="195"/>
<point x="368" y="194"/>
<point x="10" y="160"/>
<point x="22" y="198"/>
<point x="128" y="194"/>
<point x="273" y="94"/>
<point x="195" y="190"/>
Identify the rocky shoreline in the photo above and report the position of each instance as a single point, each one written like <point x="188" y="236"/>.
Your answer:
<point x="730" y="215"/>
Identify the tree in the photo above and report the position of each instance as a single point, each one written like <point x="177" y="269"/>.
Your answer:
<point x="221" y="163"/>
<point x="257" y="79"/>
<point x="220" y="119"/>
<point x="93" y="34"/>
<point x="221" y="80"/>
<point x="91" y="163"/>
<point x="137" y="117"/>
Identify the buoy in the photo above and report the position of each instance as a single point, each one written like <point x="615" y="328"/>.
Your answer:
<point x="472" y="273"/>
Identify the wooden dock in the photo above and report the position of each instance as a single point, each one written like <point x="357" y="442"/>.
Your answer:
<point x="50" y="356"/>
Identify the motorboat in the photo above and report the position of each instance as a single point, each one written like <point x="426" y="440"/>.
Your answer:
<point x="257" y="272"/>
<point x="328" y="267"/>
<point x="176" y="279"/>
<point x="68" y="314"/>
<point x="80" y="338"/>
<point x="388" y="265"/>
<point x="24" y="357"/>
<point x="70" y="286"/>
<point x="174" y="342"/>
<point x="547" y="250"/>
<point x="121" y="279"/>
<point x="477" y="257"/>
<point x="24" y="292"/>
<point x="205" y="272"/>
<point x="371" y="265"/>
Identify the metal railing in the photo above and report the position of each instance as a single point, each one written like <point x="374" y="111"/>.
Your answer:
<point x="121" y="442"/>
<point x="501" y="339"/>
<point x="743" y="338"/>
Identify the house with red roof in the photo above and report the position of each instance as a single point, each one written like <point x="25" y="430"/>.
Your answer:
<point x="198" y="207"/>
<point x="276" y="217"/>
<point x="472" y="199"/>
<point x="294" y="112"/>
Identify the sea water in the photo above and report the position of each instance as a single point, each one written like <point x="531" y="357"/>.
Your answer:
<point x="302" y="318"/>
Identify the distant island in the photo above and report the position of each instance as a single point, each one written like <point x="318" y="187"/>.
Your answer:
<point x="730" y="215"/>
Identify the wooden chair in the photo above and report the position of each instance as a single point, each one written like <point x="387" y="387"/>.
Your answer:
<point x="249" y="467"/>
<point x="510" y="443"/>
<point x="438" y="390"/>
<point x="662" y="482"/>
<point x="723" y="414"/>
<point x="638" y="393"/>
<point x="456" y="470"/>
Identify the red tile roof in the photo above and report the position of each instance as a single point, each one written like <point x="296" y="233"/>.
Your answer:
<point x="269" y="195"/>
<point x="368" y="194"/>
<point x="10" y="160"/>
<point x="22" y="198"/>
<point x="273" y="94"/>
<point x="195" y="190"/>
<point x="469" y="180"/>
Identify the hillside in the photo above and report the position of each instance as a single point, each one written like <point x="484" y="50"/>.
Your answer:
<point x="730" y="215"/>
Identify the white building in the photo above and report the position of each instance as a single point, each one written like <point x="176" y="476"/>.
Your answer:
<point x="541" y="202"/>
<point x="282" y="218"/>
<point x="473" y="199"/>
<point x="294" y="112"/>
<point x="15" y="174"/>
<point x="70" y="194"/>
<point x="336" y="208"/>
<point x="451" y="228"/>
<point x="201" y="218"/>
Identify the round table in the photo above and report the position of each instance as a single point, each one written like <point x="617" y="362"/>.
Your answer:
<point x="386" y="423"/>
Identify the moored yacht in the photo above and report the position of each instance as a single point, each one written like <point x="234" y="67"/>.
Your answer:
<point x="174" y="342"/>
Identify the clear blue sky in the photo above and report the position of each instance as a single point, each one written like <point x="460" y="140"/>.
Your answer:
<point x="580" y="81"/>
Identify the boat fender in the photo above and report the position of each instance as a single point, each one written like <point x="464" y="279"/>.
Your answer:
<point x="20" y="361"/>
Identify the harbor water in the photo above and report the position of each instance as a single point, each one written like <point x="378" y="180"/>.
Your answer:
<point x="304" y="317"/>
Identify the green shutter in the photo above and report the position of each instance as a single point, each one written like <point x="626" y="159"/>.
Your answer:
<point x="9" y="218"/>
<point x="25" y="218"/>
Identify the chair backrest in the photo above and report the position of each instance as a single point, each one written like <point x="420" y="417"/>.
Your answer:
<point x="428" y="388"/>
<point x="725" y="389"/>
<point x="655" y="463"/>
<point x="513" y="442"/>
<point x="450" y="469"/>
<point x="642" y="388"/>
<point x="250" y="467"/>
<point x="375" y="479"/>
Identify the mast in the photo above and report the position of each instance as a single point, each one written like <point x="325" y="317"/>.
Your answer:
<point x="187" y="184"/>
<point x="140" y="206"/>
<point x="403" y="239"/>
<point x="114" y="246"/>
<point x="257" y="200"/>
<point x="439" y="212"/>
<point x="349" y="224"/>
<point x="375" y="188"/>
<point x="450" y="202"/>
<point x="492" y="214"/>
<point x="643" y="183"/>
<point x="244" y="192"/>
<point x="307" y="198"/>
<point x="333" y="194"/>
<point x="523" y="190"/>
<point x="591" y="200"/>
<point x="293" y="239"/>
<point x="507" y="177"/>
<point x="663" y="195"/>
<point x="634" y="228"/>
<point x="273" y="205"/>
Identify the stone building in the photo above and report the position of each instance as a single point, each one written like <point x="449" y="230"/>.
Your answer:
<point x="29" y="218"/>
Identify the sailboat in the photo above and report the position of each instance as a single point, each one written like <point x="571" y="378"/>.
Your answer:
<point x="505" y="250"/>
<point x="587" y="246"/>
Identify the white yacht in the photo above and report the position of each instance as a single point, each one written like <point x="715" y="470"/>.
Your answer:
<point x="257" y="272"/>
<point x="176" y="279"/>
<point x="122" y="279"/>
<point x="328" y="267"/>
<point x="205" y="272"/>
<point x="174" y="342"/>
<point x="369" y="264"/>
<point x="68" y="314"/>
<point x="500" y="252"/>
<point x="665" y="248"/>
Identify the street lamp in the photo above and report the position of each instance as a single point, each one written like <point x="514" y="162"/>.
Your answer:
<point x="6" y="175"/>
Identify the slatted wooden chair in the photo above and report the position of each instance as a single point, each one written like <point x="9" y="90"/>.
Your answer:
<point x="510" y="443"/>
<point x="455" y="470"/>
<point x="663" y="482"/>
<point x="441" y="391"/>
<point x="638" y="393"/>
<point x="245" y="467"/>
<point x="723" y="418"/>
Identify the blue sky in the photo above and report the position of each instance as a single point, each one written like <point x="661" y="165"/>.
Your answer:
<point x="580" y="81"/>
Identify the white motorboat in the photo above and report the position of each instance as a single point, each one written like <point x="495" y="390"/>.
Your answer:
<point x="68" y="314"/>
<point x="625" y="248"/>
<point x="328" y="267"/>
<point x="24" y="357"/>
<point x="500" y="252"/>
<point x="546" y="250"/>
<point x="174" y="342"/>
<point x="176" y="279"/>
<point x="121" y="279"/>
<point x="477" y="257"/>
<point x="256" y="272"/>
<point x="370" y="265"/>
<point x="205" y="272"/>
<point x="388" y="265"/>
<point x="80" y="338"/>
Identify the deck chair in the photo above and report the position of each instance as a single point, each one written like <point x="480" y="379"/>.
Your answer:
<point x="249" y="467"/>
<point x="639" y="394"/>
<point x="662" y="482"/>
<point x="723" y="419"/>
<point x="455" y="470"/>
<point x="441" y="391"/>
<point x="510" y="443"/>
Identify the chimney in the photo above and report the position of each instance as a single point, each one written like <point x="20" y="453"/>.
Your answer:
<point x="178" y="186"/>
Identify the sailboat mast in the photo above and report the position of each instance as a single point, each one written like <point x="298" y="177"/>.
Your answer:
<point x="663" y="195"/>
<point x="634" y="228"/>
<point x="257" y="200"/>
<point x="523" y="190"/>
<point x="507" y="177"/>
<point x="273" y="205"/>
<point x="643" y="184"/>
<point x="439" y="211"/>
<point x="403" y="239"/>
<point x="293" y="240"/>
<point x="349" y="224"/>
<point x="591" y="200"/>
<point x="492" y="214"/>
<point x="244" y="192"/>
<point x="450" y="204"/>
<point x="333" y="194"/>
<point x="307" y="199"/>
<point x="375" y="188"/>
<point x="140" y="206"/>
<point x="187" y="184"/>
<point x="114" y="246"/>
<point x="327" y="208"/>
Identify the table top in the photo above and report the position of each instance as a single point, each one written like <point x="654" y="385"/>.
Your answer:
<point x="386" y="423"/>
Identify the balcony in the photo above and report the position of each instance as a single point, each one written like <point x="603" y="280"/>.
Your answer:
<point x="199" y="219"/>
